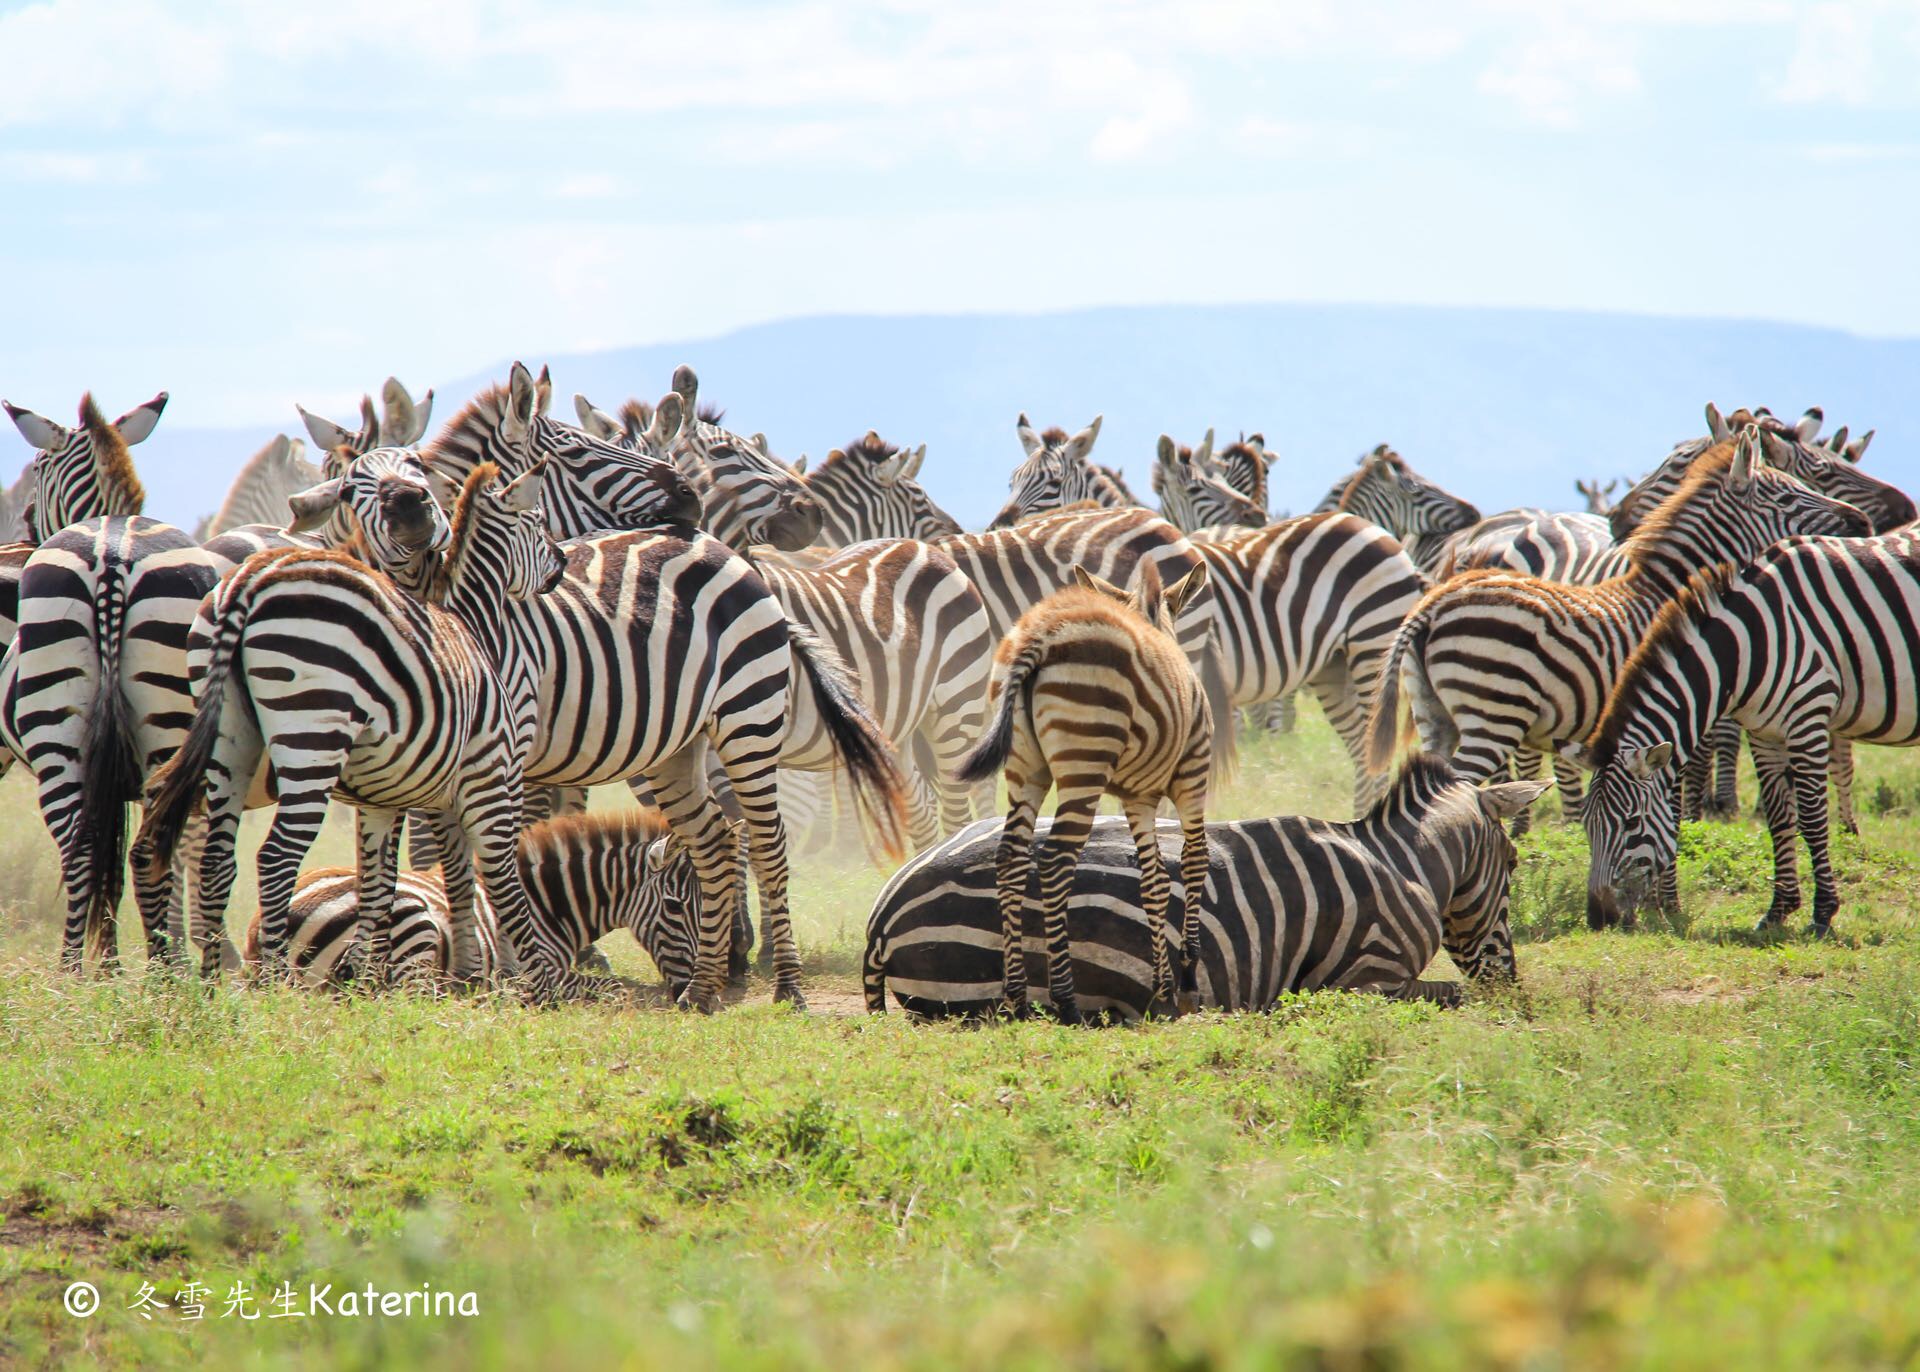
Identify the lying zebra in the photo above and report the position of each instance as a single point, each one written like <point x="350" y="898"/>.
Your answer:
<point x="1293" y="904"/>
<point x="585" y="876"/>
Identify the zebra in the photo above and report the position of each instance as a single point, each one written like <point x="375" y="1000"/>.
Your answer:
<point x="871" y="489"/>
<point x="1311" y="603"/>
<point x="1244" y="465"/>
<point x="400" y="423"/>
<point x="1290" y="904"/>
<point x="13" y="506"/>
<point x="1193" y="497"/>
<point x="348" y="684"/>
<point x="1493" y="661"/>
<point x="1815" y="638"/>
<point x="1832" y="467"/>
<point x="1413" y="509"/>
<point x="1058" y="472"/>
<point x="584" y="875"/>
<point x="1095" y="698"/>
<point x="1599" y="498"/>
<point x="259" y="492"/>
<point x="1554" y="546"/>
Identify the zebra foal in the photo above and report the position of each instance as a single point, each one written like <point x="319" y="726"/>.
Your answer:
<point x="1094" y="697"/>
<point x="1292" y="904"/>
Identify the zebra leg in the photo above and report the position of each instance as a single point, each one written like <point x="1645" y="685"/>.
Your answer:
<point x="1191" y="803"/>
<point x="464" y="957"/>
<point x="156" y="904"/>
<point x="1282" y="714"/>
<point x="296" y="824"/>
<point x="924" y="818"/>
<point x="767" y="848"/>
<point x="490" y="822"/>
<point x="377" y="833"/>
<point x="1840" y="768"/>
<point x="1696" y="779"/>
<point x="1143" y="824"/>
<point x="937" y="756"/>
<point x="1013" y="865"/>
<point x="1772" y="762"/>
<point x="1073" y="819"/>
<point x="1346" y="710"/>
<point x="1810" y="797"/>
<point x="1572" y="784"/>
<point x="1724" y="800"/>
<point x="697" y="819"/>
<point x="1527" y="764"/>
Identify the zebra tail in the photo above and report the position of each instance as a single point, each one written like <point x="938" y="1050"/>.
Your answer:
<point x="1226" y="742"/>
<point x="178" y="790"/>
<point x="1385" y="729"/>
<point x="109" y="769"/>
<point x="989" y="756"/>
<point x="860" y="744"/>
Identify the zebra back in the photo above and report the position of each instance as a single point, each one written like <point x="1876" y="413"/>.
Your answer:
<point x="1575" y="548"/>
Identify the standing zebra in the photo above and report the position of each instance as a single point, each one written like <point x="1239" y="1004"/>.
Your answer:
<point x="1413" y="509"/>
<point x="1813" y="640"/>
<point x="1599" y="498"/>
<point x="871" y="489"/>
<point x="1833" y="467"/>
<point x="400" y="424"/>
<point x="584" y="877"/>
<point x="1245" y="465"/>
<point x="1059" y="471"/>
<point x="1290" y="904"/>
<point x="1493" y="661"/>
<point x="349" y="684"/>
<point x="1095" y="698"/>
<point x="1575" y="548"/>
<point x="1196" y="499"/>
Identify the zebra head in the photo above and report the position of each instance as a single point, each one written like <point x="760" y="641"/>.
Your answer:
<point x="1792" y="448"/>
<point x="1059" y="471"/>
<point x="1632" y="831"/>
<point x="385" y="496"/>
<point x="1194" y="495"/>
<point x="1145" y="596"/>
<point x="664" y="911"/>
<point x="747" y="495"/>
<point x="83" y="472"/>
<point x="1387" y="492"/>
<point x="1476" y="927"/>
<point x="1244" y="465"/>
<point x="871" y="489"/>
<point x="516" y="534"/>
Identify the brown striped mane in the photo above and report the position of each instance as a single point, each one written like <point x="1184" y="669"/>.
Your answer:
<point x="111" y="459"/>
<point x="478" y="417"/>
<point x="1711" y="465"/>
<point x="453" y="561"/>
<point x="1691" y="604"/>
<point x="627" y="826"/>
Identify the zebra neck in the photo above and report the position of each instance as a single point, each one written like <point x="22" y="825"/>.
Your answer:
<point x="1677" y="690"/>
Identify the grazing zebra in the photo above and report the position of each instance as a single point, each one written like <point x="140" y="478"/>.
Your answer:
<point x="259" y="493"/>
<point x="1096" y="698"/>
<point x="1815" y="638"/>
<point x="1599" y="498"/>
<point x="1194" y="498"/>
<point x="1291" y="904"/>
<point x="1059" y="472"/>
<point x="1015" y="569"/>
<point x="1391" y="494"/>
<point x="1494" y="661"/>
<point x="584" y="877"/>
<point x="1831" y="467"/>
<point x="871" y="489"/>
<point x="348" y="684"/>
<point x="1312" y="604"/>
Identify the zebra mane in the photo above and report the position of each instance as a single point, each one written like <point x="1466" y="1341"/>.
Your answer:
<point x="709" y="414"/>
<point x="1363" y="468"/>
<point x="635" y="417"/>
<point x="1704" y="469"/>
<point x="110" y="456"/>
<point x="453" y="561"/>
<point x="1692" y="603"/>
<point x="465" y="434"/>
<point x="611" y="828"/>
<point x="1423" y="776"/>
<point x="1054" y="436"/>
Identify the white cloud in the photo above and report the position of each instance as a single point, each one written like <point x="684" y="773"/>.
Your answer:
<point x="1550" y="76"/>
<point x="75" y="168"/>
<point x="1833" y="57"/>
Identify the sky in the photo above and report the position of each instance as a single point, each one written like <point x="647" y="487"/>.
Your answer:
<point x="247" y="204"/>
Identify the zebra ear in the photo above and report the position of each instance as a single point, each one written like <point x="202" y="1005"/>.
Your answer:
<point x="1644" y="764"/>
<point x="314" y="506"/>
<point x="326" y="434"/>
<point x="523" y="492"/>
<point x="598" y="422"/>
<point x="1509" y="798"/>
<point x="760" y="441"/>
<point x="40" y="432"/>
<point x="399" y="423"/>
<point x="1099" y="585"/>
<point x="1182" y="592"/>
<point x="1148" y="595"/>
<point x="887" y="472"/>
<point x="1857" y="449"/>
<point x="1837" y="442"/>
<point x="1747" y="458"/>
<point x="1082" y="443"/>
<point x="277" y="449"/>
<point x="1203" y="454"/>
<point x="137" y="423"/>
<point x="1808" y="428"/>
<point x="659" y="854"/>
<point x="687" y="386"/>
<point x="1717" y="427"/>
<point x="670" y="417"/>
<point x="800" y="465"/>
<point x="1166" y="452"/>
<point x="912" y="472"/>
<point x="522" y="404"/>
<point x="1029" y="438"/>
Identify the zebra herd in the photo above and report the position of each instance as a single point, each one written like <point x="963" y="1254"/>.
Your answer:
<point x="459" y="635"/>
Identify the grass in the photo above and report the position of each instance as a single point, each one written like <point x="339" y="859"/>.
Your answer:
<point x="1679" y="1147"/>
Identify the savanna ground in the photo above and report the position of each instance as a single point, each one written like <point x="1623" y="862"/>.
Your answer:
<point x="1682" y="1146"/>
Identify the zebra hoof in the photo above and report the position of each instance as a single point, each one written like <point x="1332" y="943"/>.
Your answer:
<point x="1016" y="1008"/>
<point x="699" y="1002"/>
<point x="1820" y="929"/>
<point x="790" y="995"/>
<point x="1067" y="1011"/>
<point x="1771" y="922"/>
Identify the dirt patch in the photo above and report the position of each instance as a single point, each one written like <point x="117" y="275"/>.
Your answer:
<point x="829" y="1000"/>
<point x="88" y="1235"/>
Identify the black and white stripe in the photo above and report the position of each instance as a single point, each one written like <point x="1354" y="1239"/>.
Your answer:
<point x="1419" y="513"/>
<point x="1291" y="904"/>
<point x="1058" y="471"/>
<point x="871" y="489"/>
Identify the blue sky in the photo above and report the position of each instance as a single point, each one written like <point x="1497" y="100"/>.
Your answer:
<point x="246" y="204"/>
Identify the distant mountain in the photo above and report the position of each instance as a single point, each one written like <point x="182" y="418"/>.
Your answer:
<point x="1506" y="407"/>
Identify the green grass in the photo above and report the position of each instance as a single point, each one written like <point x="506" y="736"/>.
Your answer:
<point x="1684" y="1146"/>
